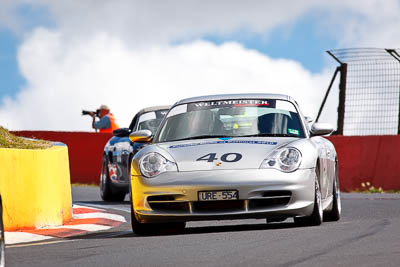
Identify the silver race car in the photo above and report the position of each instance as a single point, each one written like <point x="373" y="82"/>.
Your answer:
<point x="230" y="157"/>
<point x="119" y="151"/>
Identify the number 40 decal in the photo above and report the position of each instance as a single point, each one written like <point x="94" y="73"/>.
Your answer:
<point x="228" y="157"/>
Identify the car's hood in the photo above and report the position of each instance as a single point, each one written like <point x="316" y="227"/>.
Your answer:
<point x="222" y="154"/>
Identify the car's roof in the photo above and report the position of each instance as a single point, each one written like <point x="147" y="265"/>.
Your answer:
<point x="154" y="108"/>
<point x="234" y="96"/>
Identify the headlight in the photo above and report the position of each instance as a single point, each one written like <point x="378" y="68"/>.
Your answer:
<point x="153" y="164"/>
<point x="287" y="159"/>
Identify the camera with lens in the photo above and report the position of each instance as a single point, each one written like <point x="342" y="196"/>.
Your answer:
<point x="88" y="112"/>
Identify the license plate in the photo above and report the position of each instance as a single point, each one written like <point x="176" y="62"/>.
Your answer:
<point x="218" y="195"/>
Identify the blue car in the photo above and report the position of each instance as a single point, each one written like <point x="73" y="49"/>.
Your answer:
<point x="119" y="151"/>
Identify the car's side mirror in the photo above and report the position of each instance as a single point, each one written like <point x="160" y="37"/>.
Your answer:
<point x="122" y="132"/>
<point x="141" y="136"/>
<point x="320" y="128"/>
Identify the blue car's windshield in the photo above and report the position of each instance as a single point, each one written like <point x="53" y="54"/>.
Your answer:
<point x="150" y="121"/>
<point x="231" y="118"/>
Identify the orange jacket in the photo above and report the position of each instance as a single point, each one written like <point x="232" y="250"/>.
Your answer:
<point x="112" y="123"/>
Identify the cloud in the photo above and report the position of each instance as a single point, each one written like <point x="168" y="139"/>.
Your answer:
<point x="21" y="16"/>
<point x="64" y="77"/>
<point x="362" y="23"/>
<point x="143" y="22"/>
<point x="122" y="53"/>
<point x="139" y="23"/>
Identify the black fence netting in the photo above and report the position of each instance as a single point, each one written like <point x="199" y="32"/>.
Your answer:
<point x="372" y="90"/>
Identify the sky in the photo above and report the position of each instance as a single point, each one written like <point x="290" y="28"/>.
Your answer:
<point x="59" y="57"/>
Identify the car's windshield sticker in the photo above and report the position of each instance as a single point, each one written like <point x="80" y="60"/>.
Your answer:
<point x="293" y="131"/>
<point x="231" y="103"/>
<point x="227" y="142"/>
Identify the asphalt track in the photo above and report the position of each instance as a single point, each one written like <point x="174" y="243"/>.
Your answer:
<point x="367" y="235"/>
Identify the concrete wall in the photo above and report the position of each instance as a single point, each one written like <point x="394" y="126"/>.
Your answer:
<point x="35" y="187"/>
<point x="85" y="151"/>
<point x="368" y="158"/>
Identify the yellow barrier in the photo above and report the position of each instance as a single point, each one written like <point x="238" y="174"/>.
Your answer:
<point x="35" y="187"/>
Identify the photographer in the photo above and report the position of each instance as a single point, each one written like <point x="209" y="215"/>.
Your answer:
<point x="106" y="124"/>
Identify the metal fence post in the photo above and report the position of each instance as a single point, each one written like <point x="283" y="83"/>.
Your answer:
<point x="327" y="94"/>
<point x="396" y="56"/>
<point x="342" y="98"/>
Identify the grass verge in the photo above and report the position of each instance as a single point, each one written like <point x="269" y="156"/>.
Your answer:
<point x="80" y="184"/>
<point x="8" y="140"/>
<point x="368" y="188"/>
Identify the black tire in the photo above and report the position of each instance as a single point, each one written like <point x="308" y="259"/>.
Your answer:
<point x="334" y="214"/>
<point x="316" y="216"/>
<point x="106" y="192"/>
<point x="154" y="228"/>
<point x="137" y="227"/>
<point x="174" y="228"/>
<point x="129" y="177"/>
<point x="2" y="241"/>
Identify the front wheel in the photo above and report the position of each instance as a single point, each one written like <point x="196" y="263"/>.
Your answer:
<point x="334" y="213"/>
<point x="140" y="228"/>
<point x="316" y="217"/>
<point x="105" y="184"/>
<point x="154" y="228"/>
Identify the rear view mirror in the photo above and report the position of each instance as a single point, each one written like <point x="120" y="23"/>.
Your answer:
<point x="141" y="136"/>
<point x="122" y="132"/>
<point x="232" y="111"/>
<point x="320" y="128"/>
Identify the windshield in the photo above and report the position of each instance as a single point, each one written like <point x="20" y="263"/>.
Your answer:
<point x="231" y="118"/>
<point x="151" y="120"/>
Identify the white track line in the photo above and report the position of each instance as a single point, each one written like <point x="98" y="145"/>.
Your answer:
<point x="86" y="207"/>
<point x="84" y="227"/>
<point x="112" y="207"/>
<point x="21" y="237"/>
<point x="100" y="215"/>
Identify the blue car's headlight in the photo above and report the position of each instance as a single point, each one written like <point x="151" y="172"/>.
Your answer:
<point x="153" y="164"/>
<point x="286" y="159"/>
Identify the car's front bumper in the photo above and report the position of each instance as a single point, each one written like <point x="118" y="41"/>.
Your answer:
<point x="263" y="193"/>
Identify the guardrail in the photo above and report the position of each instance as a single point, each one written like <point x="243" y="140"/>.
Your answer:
<point x="361" y="158"/>
<point x="35" y="187"/>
